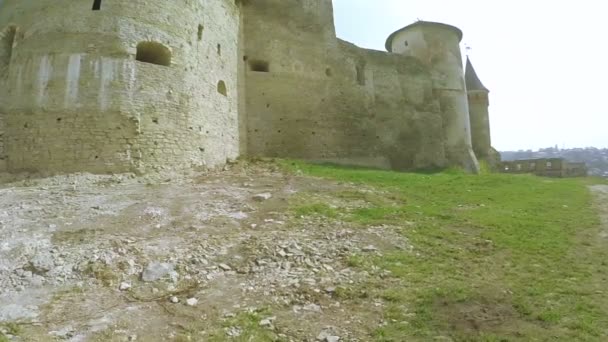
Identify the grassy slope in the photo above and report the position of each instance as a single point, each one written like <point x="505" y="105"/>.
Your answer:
<point x="497" y="257"/>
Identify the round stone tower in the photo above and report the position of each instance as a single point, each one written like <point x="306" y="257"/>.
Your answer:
<point x="438" y="46"/>
<point x="478" y="112"/>
<point x="111" y="86"/>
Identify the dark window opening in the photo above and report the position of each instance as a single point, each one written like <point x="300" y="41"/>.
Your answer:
<point x="96" y="5"/>
<point x="407" y="43"/>
<point x="154" y="53"/>
<point x="259" y="66"/>
<point x="7" y="40"/>
<point x="361" y="75"/>
<point x="221" y="88"/>
<point x="200" y="32"/>
<point x="219" y="49"/>
<point x="328" y="72"/>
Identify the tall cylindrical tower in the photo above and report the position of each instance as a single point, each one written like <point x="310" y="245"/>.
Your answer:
<point x="110" y="86"/>
<point x="478" y="112"/>
<point x="438" y="46"/>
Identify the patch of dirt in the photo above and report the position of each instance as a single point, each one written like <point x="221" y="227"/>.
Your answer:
<point x="485" y="314"/>
<point x="73" y="250"/>
<point x="601" y="193"/>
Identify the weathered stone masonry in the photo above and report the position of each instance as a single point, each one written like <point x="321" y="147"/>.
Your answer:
<point x="111" y="85"/>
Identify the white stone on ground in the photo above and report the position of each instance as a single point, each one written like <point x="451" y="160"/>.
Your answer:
<point x="262" y="197"/>
<point x="156" y="270"/>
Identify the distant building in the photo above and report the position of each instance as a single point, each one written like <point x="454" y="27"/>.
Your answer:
<point x="548" y="167"/>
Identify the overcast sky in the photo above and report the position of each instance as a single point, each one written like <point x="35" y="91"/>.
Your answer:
<point x="544" y="61"/>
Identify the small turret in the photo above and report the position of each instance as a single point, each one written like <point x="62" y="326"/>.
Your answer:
<point x="437" y="45"/>
<point x="478" y="113"/>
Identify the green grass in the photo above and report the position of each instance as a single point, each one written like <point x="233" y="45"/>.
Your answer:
<point x="497" y="257"/>
<point x="11" y="328"/>
<point x="249" y="324"/>
<point x="315" y="209"/>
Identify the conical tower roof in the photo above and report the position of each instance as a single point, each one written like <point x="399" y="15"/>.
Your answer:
<point x="471" y="78"/>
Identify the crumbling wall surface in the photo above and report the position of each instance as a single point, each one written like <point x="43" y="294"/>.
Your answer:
<point x="2" y="157"/>
<point x="7" y="37"/>
<point x="79" y="100"/>
<point x="312" y="96"/>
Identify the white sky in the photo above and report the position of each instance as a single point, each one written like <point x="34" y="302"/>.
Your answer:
<point x="544" y="61"/>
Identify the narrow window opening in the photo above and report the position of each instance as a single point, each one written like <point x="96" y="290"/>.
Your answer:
<point x="219" y="49"/>
<point x="200" y="32"/>
<point x="154" y="53"/>
<point x="96" y="5"/>
<point x="361" y="75"/>
<point x="407" y="43"/>
<point x="259" y="66"/>
<point x="221" y="88"/>
<point x="7" y="40"/>
<point x="328" y="72"/>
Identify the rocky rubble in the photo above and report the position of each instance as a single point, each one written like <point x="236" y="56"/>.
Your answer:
<point x="228" y="242"/>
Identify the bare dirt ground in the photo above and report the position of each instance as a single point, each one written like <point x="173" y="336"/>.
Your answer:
<point x="214" y="256"/>
<point x="601" y="192"/>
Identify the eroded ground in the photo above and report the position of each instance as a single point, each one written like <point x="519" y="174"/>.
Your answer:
<point x="601" y="193"/>
<point x="269" y="252"/>
<point x="240" y="266"/>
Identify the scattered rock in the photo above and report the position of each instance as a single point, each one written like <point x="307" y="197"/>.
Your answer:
<point x="262" y="197"/>
<point x="234" y="331"/>
<point x="312" y="307"/>
<point x="42" y="263"/>
<point x="124" y="286"/>
<point x="156" y="270"/>
<point x="330" y="289"/>
<point x="225" y="267"/>
<point x="174" y="300"/>
<point x="370" y="248"/>
<point x="64" y="334"/>
<point x="325" y="336"/>
<point x="191" y="301"/>
<point x="238" y="215"/>
<point x="267" y="322"/>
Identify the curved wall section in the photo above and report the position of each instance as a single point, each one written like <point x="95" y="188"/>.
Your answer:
<point x="438" y="47"/>
<point x="78" y="100"/>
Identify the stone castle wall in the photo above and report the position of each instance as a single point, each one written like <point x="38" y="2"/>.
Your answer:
<point x="93" y="90"/>
<point x="324" y="99"/>
<point x="79" y="100"/>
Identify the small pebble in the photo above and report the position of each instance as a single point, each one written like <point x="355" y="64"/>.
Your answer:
<point x="124" y="286"/>
<point x="192" y="301"/>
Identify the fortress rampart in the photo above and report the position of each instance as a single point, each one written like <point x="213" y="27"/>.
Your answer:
<point x="112" y="86"/>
